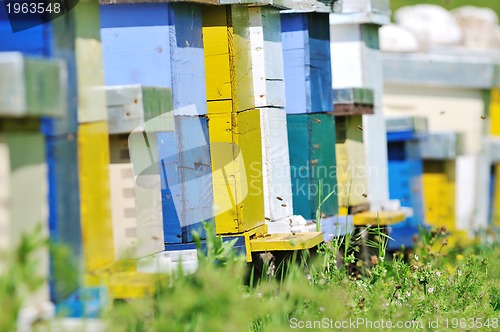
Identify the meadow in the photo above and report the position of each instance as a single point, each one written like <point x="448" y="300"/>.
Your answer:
<point x="430" y="288"/>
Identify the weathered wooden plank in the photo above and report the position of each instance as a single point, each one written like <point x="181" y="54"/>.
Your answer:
<point x="353" y="101"/>
<point x="136" y="47"/>
<point x="237" y="171"/>
<point x="240" y="59"/>
<point x="306" y="55"/>
<point x="187" y="56"/>
<point x="167" y="147"/>
<point x="226" y="162"/>
<point x="296" y="63"/>
<point x="31" y="86"/>
<point x="64" y="211"/>
<point x="130" y="106"/>
<point x="246" y="135"/>
<point x="276" y="164"/>
<point x="186" y="178"/>
<point x="96" y="223"/>
<point x="266" y="56"/>
<point x="88" y="52"/>
<point x="195" y="174"/>
<point x="352" y="171"/>
<point x="311" y="141"/>
<point x="217" y="62"/>
<point x="228" y="65"/>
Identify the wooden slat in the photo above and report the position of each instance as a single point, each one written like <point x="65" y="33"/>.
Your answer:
<point x="286" y="242"/>
<point x="276" y="164"/>
<point x="237" y="171"/>
<point x="311" y="142"/>
<point x="31" y="86"/>
<point x="382" y="218"/>
<point x="136" y="48"/>
<point x="217" y="63"/>
<point x="89" y="65"/>
<point x="97" y="232"/>
<point x="306" y="55"/>
<point x="130" y="106"/>
<point x="266" y="56"/>
<point x="195" y="175"/>
<point x="187" y="56"/>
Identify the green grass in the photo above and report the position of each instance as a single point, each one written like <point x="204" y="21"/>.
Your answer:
<point x="431" y="286"/>
<point x="448" y="4"/>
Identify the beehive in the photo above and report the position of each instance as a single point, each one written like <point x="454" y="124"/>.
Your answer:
<point x="450" y="92"/>
<point x="356" y="63"/>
